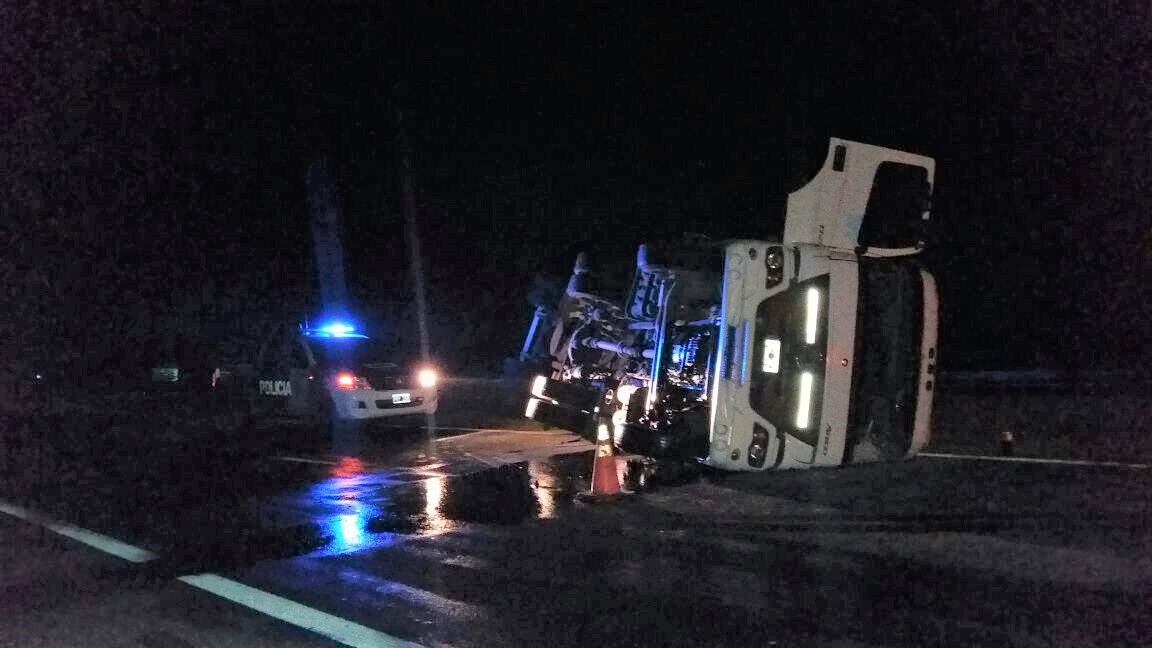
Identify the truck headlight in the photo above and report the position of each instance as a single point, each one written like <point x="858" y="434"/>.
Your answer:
<point x="758" y="449"/>
<point x="774" y="266"/>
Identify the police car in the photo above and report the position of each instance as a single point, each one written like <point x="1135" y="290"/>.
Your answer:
<point x="328" y="374"/>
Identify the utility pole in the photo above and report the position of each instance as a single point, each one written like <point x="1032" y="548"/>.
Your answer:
<point x="415" y="262"/>
<point x="408" y="198"/>
<point x="326" y="226"/>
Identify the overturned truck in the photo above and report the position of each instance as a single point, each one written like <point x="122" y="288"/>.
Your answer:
<point x="817" y="349"/>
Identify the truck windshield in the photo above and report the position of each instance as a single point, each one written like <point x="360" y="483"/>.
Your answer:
<point x="787" y="372"/>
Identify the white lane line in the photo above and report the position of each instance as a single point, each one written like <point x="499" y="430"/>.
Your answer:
<point x="455" y="429"/>
<point x="302" y="616"/>
<point x="329" y="462"/>
<point x="555" y="431"/>
<point x="461" y="436"/>
<point x="432" y="475"/>
<point x="482" y="460"/>
<point x="1039" y="460"/>
<point x="511" y="432"/>
<point x="472" y="430"/>
<point x="95" y="540"/>
<point x="306" y="460"/>
<point x="424" y="471"/>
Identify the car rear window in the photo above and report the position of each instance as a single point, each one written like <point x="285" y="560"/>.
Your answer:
<point x="358" y="351"/>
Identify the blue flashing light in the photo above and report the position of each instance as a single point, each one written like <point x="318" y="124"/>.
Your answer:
<point x="337" y="329"/>
<point x="334" y="330"/>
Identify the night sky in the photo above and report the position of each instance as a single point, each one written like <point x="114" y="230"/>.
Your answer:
<point x="155" y="159"/>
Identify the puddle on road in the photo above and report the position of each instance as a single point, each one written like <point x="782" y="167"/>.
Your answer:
<point x="211" y="513"/>
<point x="356" y="508"/>
<point x="362" y="511"/>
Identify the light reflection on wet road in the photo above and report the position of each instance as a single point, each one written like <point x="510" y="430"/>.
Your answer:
<point x="361" y="504"/>
<point x="344" y="508"/>
<point x="426" y="540"/>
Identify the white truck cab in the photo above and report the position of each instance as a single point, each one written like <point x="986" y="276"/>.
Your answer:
<point x="828" y="339"/>
<point x="816" y="349"/>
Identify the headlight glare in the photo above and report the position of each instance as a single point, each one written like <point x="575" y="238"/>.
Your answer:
<point x="427" y="378"/>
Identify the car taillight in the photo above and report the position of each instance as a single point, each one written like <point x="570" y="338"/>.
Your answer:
<point x="345" y="380"/>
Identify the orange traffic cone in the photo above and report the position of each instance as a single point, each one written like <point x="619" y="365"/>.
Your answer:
<point x="605" y="479"/>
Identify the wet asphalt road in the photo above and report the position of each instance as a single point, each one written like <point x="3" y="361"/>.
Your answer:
<point x="474" y="539"/>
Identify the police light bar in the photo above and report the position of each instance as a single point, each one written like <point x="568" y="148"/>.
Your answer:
<point x="334" y="330"/>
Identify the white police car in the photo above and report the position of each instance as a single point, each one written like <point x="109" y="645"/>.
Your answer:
<point x="332" y="373"/>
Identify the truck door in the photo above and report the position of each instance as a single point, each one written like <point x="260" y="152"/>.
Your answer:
<point x="865" y="198"/>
